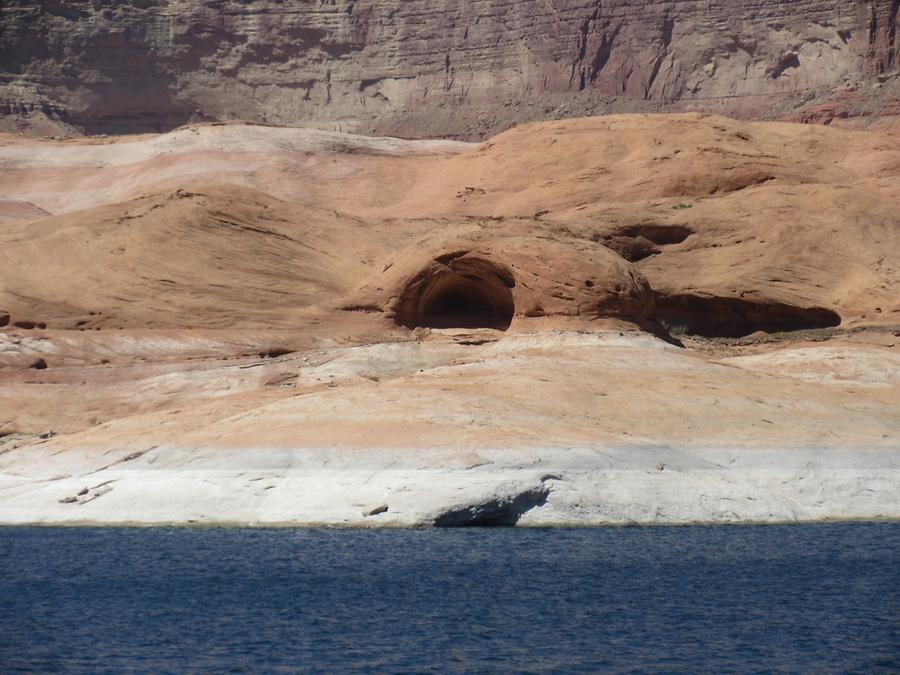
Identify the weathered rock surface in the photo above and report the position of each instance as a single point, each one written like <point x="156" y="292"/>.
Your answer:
<point x="501" y="279"/>
<point x="454" y="68"/>
<point x="264" y="325"/>
<point x="552" y="428"/>
<point x="737" y="227"/>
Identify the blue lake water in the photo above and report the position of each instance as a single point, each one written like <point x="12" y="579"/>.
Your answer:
<point x="811" y="598"/>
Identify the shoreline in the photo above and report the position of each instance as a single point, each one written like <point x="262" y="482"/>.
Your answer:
<point x="128" y="525"/>
<point x="560" y="487"/>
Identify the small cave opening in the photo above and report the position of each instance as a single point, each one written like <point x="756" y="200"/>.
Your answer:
<point x="460" y="293"/>
<point x="637" y="242"/>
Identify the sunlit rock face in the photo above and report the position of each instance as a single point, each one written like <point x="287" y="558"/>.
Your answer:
<point x="419" y="68"/>
<point x="617" y="319"/>
<point x="499" y="281"/>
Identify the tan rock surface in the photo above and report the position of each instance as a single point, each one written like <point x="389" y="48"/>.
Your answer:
<point x="255" y="322"/>
<point x="799" y="216"/>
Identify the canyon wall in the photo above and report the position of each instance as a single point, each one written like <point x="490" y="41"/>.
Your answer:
<point x="462" y="68"/>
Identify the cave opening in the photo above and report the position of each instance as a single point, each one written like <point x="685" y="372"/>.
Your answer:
<point x="720" y="317"/>
<point x="463" y="293"/>
<point x="459" y="301"/>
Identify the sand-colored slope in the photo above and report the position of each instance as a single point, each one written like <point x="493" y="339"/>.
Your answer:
<point x="214" y="256"/>
<point x="772" y="213"/>
<point x="798" y="214"/>
<point x="61" y="177"/>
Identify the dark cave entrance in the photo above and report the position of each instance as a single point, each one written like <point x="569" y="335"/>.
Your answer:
<point x="466" y="301"/>
<point x="718" y="317"/>
<point x="459" y="292"/>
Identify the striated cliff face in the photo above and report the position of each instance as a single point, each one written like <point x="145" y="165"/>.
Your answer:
<point x="419" y="67"/>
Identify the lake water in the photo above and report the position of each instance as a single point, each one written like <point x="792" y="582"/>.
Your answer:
<point x="811" y="598"/>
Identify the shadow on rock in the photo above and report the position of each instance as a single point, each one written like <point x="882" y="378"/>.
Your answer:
<point x="498" y="511"/>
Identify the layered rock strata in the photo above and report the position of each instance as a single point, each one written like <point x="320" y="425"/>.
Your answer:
<point x="460" y="68"/>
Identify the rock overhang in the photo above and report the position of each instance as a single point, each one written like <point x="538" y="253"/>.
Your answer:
<point x="506" y="282"/>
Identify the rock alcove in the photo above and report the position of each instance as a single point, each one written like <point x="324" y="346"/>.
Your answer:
<point x="501" y="281"/>
<point x="459" y="291"/>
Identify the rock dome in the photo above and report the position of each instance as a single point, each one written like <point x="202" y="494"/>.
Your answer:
<point x="483" y="281"/>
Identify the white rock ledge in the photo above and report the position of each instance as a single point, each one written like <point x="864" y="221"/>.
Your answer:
<point x="566" y="487"/>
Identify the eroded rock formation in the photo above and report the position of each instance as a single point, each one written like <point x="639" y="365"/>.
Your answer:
<point x="737" y="227"/>
<point x="481" y="280"/>
<point x="419" y="68"/>
<point x="240" y="324"/>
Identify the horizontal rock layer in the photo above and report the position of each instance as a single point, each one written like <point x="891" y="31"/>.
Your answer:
<point x="462" y="68"/>
<point x="573" y="487"/>
<point x="560" y="427"/>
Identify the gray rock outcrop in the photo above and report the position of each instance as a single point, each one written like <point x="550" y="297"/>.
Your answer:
<point x="419" y="68"/>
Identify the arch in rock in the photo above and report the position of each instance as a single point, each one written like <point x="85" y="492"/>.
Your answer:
<point x="458" y="291"/>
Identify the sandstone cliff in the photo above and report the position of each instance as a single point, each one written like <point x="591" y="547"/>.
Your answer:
<point x="455" y="68"/>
